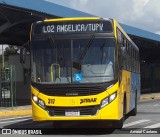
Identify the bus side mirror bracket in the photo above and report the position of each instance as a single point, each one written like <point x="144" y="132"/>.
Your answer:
<point x="23" y="52"/>
<point x="22" y="55"/>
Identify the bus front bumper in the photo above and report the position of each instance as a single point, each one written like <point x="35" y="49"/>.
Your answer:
<point x="112" y="111"/>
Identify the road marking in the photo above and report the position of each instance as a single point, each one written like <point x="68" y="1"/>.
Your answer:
<point x="153" y="105"/>
<point x="153" y="126"/>
<point x="11" y="121"/>
<point x="135" y="123"/>
<point x="14" y="118"/>
<point x="156" y="105"/>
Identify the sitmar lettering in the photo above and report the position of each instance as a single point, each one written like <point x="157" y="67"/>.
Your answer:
<point x="88" y="100"/>
<point x="73" y="28"/>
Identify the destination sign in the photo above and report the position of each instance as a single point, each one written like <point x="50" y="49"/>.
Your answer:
<point x="73" y="27"/>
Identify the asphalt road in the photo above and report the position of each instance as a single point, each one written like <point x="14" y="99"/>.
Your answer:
<point x="147" y="120"/>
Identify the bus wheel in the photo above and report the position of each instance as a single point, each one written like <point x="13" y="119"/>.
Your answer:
<point x="57" y="124"/>
<point x="134" y="111"/>
<point x="119" y="124"/>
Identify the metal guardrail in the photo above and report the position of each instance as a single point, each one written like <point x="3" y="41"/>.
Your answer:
<point x="8" y="87"/>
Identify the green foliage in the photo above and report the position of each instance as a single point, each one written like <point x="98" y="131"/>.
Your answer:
<point x="10" y="50"/>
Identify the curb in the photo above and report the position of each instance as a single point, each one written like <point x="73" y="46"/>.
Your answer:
<point x="11" y="113"/>
<point x="149" y="97"/>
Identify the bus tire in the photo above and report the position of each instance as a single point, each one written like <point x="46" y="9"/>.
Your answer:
<point x="119" y="124"/>
<point x="57" y="124"/>
<point x="134" y="111"/>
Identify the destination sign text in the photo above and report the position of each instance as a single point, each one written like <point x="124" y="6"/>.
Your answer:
<point x="73" y="27"/>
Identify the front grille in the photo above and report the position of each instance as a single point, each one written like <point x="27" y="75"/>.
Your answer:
<point x="60" y="111"/>
<point x="72" y="91"/>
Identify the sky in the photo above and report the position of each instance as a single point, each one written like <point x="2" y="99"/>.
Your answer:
<point x="143" y="14"/>
<point x="4" y="46"/>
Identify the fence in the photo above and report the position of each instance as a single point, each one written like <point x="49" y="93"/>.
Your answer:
<point x="8" y="87"/>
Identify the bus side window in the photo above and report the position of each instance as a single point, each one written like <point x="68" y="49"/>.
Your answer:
<point x="127" y="57"/>
<point x="132" y="59"/>
<point x="120" y="58"/>
<point x="124" y="54"/>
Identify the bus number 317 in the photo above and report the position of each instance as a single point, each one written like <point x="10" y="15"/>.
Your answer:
<point x="51" y="101"/>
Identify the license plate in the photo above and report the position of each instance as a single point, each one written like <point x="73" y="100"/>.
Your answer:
<point x="72" y="113"/>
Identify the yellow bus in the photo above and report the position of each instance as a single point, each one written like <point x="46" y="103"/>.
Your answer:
<point x="83" y="69"/>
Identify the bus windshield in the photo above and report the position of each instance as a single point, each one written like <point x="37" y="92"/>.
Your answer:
<point x="62" y="61"/>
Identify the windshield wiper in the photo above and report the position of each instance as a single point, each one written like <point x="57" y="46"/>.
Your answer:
<point x="55" y="46"/>
<point x="87" y="47"/>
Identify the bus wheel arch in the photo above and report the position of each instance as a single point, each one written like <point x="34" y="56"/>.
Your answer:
<point x="124" y="104"/>
<point x="119" y="123"/>
<point x="134" y="110"/>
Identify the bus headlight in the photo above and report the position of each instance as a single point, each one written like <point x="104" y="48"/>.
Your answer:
<point x="38" y="101"/>
<point x="104" y="102"/>
<point x="35" y="98"/>
<point x="108" y="100"/>
<point x="112" y="97"/>
<point x="41" y="103"/>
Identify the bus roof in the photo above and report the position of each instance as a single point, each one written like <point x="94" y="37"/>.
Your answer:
<point x="71" y="19"/>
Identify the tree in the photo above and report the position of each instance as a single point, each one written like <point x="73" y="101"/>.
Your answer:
<point x="10" y="50"/>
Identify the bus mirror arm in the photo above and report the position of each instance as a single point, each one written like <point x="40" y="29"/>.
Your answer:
<point x="23" y="51"/>
<point x="22" y="55"/>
